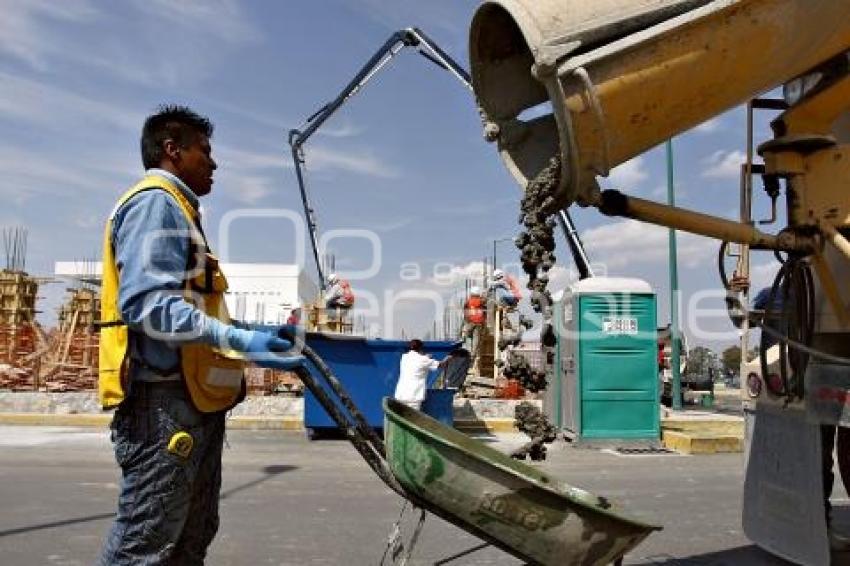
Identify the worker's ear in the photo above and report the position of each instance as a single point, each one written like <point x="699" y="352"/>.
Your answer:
<point x="171" y="149"/>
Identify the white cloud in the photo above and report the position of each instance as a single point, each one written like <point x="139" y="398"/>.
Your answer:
<point x="229" y="157"/>
<point x="723" y="164"/>
<point x="251" y="189"/>
<point x="28" y="173"/>
<point x="358" y="161"/>
<point x="659" y="193"/>
<point x="392" y="225"/>
<point x="346" y="130"/>
<point x="627" y="176"/>
<point x="362" y="162"/>
<point x="618" y="245"/>
<point x="457" y="274"/>
<point x="709" y="126"/>
<point x="475" y="209"/>
<point x="762" y="275"/>
<point x="58" y="109"/>
<point x="222" y="19"/>
<point x="23" y="30"/>
<point x="401" y="13"/>
<point x="45" y="35"/>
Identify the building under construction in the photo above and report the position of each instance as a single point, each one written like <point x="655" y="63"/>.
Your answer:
<point x="20" y="336"/>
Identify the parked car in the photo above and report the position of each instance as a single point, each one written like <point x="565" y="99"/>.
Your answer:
<point x="690" y="383"/>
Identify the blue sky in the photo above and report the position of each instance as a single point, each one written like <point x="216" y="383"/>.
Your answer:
<point x="404" y="159"/>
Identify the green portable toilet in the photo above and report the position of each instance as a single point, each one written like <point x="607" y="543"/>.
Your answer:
<point x="605" y="382"/>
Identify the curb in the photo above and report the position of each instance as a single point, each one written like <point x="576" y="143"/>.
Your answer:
<point x="703" y="436"/>
<point x="486" y="425"/>
<point x="688" y="443"/>
<point x="56" y="419"/>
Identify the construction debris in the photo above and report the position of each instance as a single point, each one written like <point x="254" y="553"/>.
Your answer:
<point x="263" y="381"/>
<point x="519" y="368"/>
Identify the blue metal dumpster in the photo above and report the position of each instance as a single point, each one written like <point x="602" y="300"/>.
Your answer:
<point x="439" y="404"/>
<point x="368" y="369"/>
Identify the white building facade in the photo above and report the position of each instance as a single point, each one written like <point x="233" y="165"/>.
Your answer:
<point x="262" y="293"/>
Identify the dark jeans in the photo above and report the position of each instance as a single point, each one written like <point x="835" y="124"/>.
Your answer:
<point x="841" y="445"/>
<point x="168" y="504"/>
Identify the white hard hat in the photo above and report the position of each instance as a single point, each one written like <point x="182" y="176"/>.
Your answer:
<point x="475" y="291"/>
<point x="332" y="278"/>
<point x="498" y="274"/>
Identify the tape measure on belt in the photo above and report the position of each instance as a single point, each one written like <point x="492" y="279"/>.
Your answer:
<point x="181" y="444"/>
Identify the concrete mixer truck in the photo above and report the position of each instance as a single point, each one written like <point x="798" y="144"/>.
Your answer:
<point x="569" y="89"/>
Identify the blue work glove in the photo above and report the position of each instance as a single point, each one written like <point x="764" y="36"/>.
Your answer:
<point x="285" y="331"/>
<point x="255" y="342"/>
<point x="263" y="348"/>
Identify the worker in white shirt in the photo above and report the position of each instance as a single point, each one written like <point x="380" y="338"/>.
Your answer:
<point x="413" y="374"/>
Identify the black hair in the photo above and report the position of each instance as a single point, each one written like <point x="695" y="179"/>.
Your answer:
<point x="415" y="345"/>
<point x="174" y="122"/>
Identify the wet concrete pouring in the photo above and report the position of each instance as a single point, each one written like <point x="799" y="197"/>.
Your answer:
<point x="537" y="254"/>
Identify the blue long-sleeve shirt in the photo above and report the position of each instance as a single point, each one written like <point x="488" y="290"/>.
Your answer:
<point x="152" y="242"/>
<point x="762" y="302"/>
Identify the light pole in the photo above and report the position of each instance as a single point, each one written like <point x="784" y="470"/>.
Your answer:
<point x="675" y="353"/>
<point x="496" y="241"/>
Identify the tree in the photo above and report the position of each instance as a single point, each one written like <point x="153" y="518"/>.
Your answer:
<point x="702" y="361"/>
<point x="731" y="358"/>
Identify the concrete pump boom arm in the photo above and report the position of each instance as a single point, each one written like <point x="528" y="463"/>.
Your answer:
<point x="409" y="37"/>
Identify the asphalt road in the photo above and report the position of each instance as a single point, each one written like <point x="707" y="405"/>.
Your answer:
<point x="287" y="501"/>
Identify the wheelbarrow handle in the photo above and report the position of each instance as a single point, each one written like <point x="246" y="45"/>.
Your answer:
<point x="359" y="433"/>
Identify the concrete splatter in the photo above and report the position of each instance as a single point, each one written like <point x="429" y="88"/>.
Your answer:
<point x="532" y="421"/>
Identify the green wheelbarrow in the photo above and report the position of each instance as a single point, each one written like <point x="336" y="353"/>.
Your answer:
<point x="508" y="504"/>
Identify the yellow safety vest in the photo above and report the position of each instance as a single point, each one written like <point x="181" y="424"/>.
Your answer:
<point x="215" y="379"/>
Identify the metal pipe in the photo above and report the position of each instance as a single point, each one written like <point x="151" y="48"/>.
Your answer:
<point x="835" y="238"/>
<point x="743" y="264"/>
<point x="615" y="203"/>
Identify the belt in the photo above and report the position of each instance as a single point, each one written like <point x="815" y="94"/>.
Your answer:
<point x="152" y="385"/>
<point x="142" y="373"/>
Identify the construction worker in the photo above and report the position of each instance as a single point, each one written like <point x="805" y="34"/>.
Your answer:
<point x="294" y="317"/>
<point x="339" y="294"/>
<point x="413" y="374"/>
<point x="474" y="317"/>
<point x="169" y="355"/>
<point x="504" y="289"/>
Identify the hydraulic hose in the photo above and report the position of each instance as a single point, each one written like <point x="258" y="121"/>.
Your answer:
<point x="793" y="285"/>
<point x="792" y="328"/>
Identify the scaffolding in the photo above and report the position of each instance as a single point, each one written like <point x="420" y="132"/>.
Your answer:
<point x="21" y="338"/>
<point x="71" y="362"/>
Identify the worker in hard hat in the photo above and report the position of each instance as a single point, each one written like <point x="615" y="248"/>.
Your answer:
<point x="504" y="289"/>
<point x="170" y="359"/>
<point x="339" y="295"/>
<point x="474" y="317"/>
